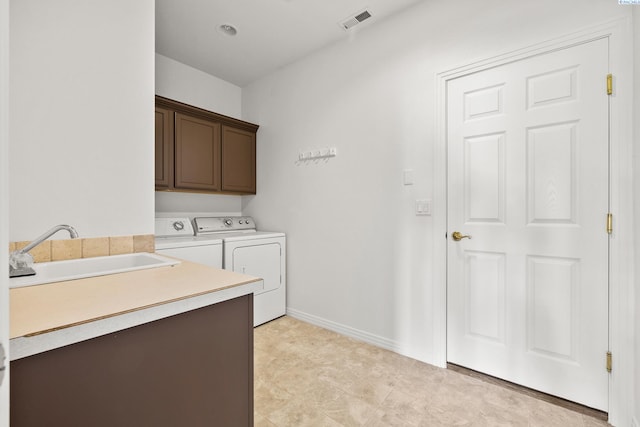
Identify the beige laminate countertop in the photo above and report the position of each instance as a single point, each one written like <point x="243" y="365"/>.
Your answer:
<point x="45" y="308"/>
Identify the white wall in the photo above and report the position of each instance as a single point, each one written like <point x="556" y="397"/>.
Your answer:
<point x="180" y="82"/>
<point x="636" y="29"/>
<point x="358" y="257"/>
<point x="82" y="96"/>
<point x="4" y="203"/>
<point x="188" y="203"/>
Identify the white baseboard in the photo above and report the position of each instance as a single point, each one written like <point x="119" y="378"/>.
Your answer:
<point x="348" y="331"/>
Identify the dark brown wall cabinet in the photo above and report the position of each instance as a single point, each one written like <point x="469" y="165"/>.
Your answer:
<point x="238" y="160"/>
<point x="192" y="369"/>
<point x="197" y="153"/>
<point x="164" y="148"/>
<point x="201" y="151"/>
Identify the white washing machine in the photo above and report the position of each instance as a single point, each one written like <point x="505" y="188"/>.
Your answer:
<point x="257" y="253"/>
<point x="175" y="237"/>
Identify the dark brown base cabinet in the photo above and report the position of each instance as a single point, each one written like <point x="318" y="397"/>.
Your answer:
<point x="192" y="369"/>
<point x="201" y="151"/>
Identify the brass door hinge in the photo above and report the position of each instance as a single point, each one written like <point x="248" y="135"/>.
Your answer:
<point x="609" y="223"/>
<point x="609" y="363"/>
<point x="609" y="84"/>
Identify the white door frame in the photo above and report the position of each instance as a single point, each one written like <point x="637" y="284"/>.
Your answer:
<point x="619" y="32"/>
<point x="4" y="204"/>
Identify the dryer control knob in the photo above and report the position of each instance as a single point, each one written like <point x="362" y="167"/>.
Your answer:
<point x="228" y="222"/>
<point x="178" y="225"/>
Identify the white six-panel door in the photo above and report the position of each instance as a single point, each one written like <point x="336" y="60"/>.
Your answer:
<point x="528" y="181"/>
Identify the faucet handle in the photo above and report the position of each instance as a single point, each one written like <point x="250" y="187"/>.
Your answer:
<point x="20" y="259"/>
<point x="20" y="264"/>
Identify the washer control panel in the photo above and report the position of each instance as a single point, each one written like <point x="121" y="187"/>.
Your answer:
<point x="223" y="224"/>
<point x="173" y="227"/>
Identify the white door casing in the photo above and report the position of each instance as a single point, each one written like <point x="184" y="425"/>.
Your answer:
<point x="528" y="180"/>
<point x="4" y="205"/>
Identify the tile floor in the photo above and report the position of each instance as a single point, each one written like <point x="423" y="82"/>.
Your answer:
<point x="309" y="376"/>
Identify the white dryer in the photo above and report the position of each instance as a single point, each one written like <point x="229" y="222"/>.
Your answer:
<point x="257" y="253"/>
<point x="175" y="237"/>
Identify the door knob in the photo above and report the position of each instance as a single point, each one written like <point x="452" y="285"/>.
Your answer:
<point x="457" y="236"/>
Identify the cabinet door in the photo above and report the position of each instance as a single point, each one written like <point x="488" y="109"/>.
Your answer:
<point x="164" y="148"/>
<point x="197" y="153"/>
<point x="238" y="160"/>
<point x="191" y="369"/>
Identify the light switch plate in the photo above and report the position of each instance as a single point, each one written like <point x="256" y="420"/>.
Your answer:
<point x="423" y="206"/>
<point x="407" y="176"/>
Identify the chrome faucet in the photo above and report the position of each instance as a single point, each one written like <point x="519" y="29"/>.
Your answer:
<point x="21" y="261"/>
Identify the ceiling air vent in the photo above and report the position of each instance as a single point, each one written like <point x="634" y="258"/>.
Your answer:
<point x="352" y="21"/>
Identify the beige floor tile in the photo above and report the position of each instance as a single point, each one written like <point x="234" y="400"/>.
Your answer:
<point x="370" y="389"/>
<point x="307" y="383"/>
<point x="309" y="376"/>
<point x="401" y="407"/>
<point x="297" y="412"/>
<point x="260" y="421"/>
<point x="269" y="398"/>
<point x="388" y="420"/>
<point x="350" y="410"/>
<point x="339" y="374"/>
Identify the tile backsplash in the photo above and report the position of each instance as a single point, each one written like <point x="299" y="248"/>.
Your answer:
<point x="59" y="250"/>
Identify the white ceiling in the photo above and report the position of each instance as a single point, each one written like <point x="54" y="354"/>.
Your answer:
<point x="271" y="33"/>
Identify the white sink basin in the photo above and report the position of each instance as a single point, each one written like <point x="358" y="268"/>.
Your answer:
<point x="58" y="271"/>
